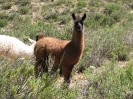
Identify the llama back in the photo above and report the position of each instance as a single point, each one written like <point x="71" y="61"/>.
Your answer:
<point x="5" y="44"/>
<point x="19" y="49"/>
<point x="13" y="47"/>
<point x="51" y="45"/>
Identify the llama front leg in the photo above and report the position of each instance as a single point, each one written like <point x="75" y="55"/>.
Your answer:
<point x="66" y="71"/>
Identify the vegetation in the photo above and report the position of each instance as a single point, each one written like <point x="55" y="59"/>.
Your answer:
<point x="107" y="58"/>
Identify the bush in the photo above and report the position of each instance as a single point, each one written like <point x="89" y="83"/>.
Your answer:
<point x="7" y="5"/>
<point x="52" y="15"/>
<point x="23" y="2"/>
<point x="111" y="8"/>
<point x="3" y="15"/>
<point x="81" y="4"/>
<point x="96" y="3"/>
<point x="3" y="22"/>
<point x="96" y="20"/>
<point x="106" y="44"/>
<point x="23" y="10"/>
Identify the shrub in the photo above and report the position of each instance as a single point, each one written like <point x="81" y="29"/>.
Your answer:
<point x="114" y="11"/>
<point x="81" y="4"/>
<point x="96" y="20"/>
<point x="23" y="2"/>
<point x="23" y="10"/>
<point x="106" y="44"/>
<point x="111" y="8"/>
<point x="7" y="5"/>
<point x="52" y="15"/>
<point x="3" y="15"/>
<point x="96" y="3"/>
<point x="3" y="22"/>
<point x="11" y="16"/>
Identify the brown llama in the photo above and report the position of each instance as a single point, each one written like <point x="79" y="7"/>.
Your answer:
<point x="65" y="52"/>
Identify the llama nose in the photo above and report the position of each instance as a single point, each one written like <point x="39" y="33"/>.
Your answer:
<point x="79" y="26"/>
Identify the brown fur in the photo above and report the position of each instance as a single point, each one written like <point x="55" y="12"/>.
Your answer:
<point x="66" y="52"/>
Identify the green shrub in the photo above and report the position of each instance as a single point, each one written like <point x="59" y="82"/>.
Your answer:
<point x="3" y="15"/>
<point x="110" y="81"/>
<point x="108" y="44"/>
<point x="81" y="4"/>
<point x="6" y="5"/>
<point x="2" y="1"/>
<point x="23" y="10"/>
<point x="52" y="15"/>
<point x="11" y="16"/>
<point x="97" y="20"/>
<point x="3" y="22"/>
<point x="111" y="8"/>
<point x="113" y="11"/>
<point x="23" y="2"/>
<point x="96" y="3"/>
<point x="60" y="2"/>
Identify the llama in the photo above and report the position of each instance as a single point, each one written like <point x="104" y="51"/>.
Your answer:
<point x="65" y="52"/>
<point x="12" y="47"/>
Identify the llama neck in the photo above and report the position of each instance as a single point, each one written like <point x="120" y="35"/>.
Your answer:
<point x="78" y="39"/>
<point x="28" y="51"/>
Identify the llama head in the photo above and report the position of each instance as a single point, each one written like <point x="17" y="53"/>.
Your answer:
<point x="39" y="36"/>
<point x="78" y="22"/>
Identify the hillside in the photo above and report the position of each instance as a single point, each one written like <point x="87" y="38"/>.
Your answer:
<point x="106" y="68"/>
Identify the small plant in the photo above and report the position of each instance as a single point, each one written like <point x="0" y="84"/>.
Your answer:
<point x="3" y="15"/>
<point x="6" y="6"/>
<point x="2" y="1"/>
<point x="23" y="10"/>
<point x="23" y="2"/>
<point x="97" y="20"/>
<point x="82" y="4"/>
<point x="3" y="22"/>
<point x="96" y="3"/>
<point x="113" y="11"/>
<point x="111" y="8"/>
<point x="123" y="54"/>
<point x="12" y="16"/>
<point x="52" y="15"/>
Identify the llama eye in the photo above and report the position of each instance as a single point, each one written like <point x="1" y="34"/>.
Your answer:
<point x="81" y="22"/>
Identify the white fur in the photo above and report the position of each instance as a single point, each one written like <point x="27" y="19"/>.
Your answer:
<point x="12" y="47"/>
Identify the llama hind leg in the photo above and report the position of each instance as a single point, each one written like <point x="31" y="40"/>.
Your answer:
<point x="66" y="71"/>
<point x="40" y="65"/>
<point x="38" y="68"/>
<point x="54" y="69"/>
<point x="45" y="67"/>
<point x="60" y="71"/>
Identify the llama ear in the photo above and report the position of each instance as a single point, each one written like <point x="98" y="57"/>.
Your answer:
<point x="36" y="37"/>
<point x="73" y="16"/>
<point x="84" y="17"/>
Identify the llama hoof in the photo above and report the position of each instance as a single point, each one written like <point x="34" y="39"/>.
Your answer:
<point x="67" y="80"/>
